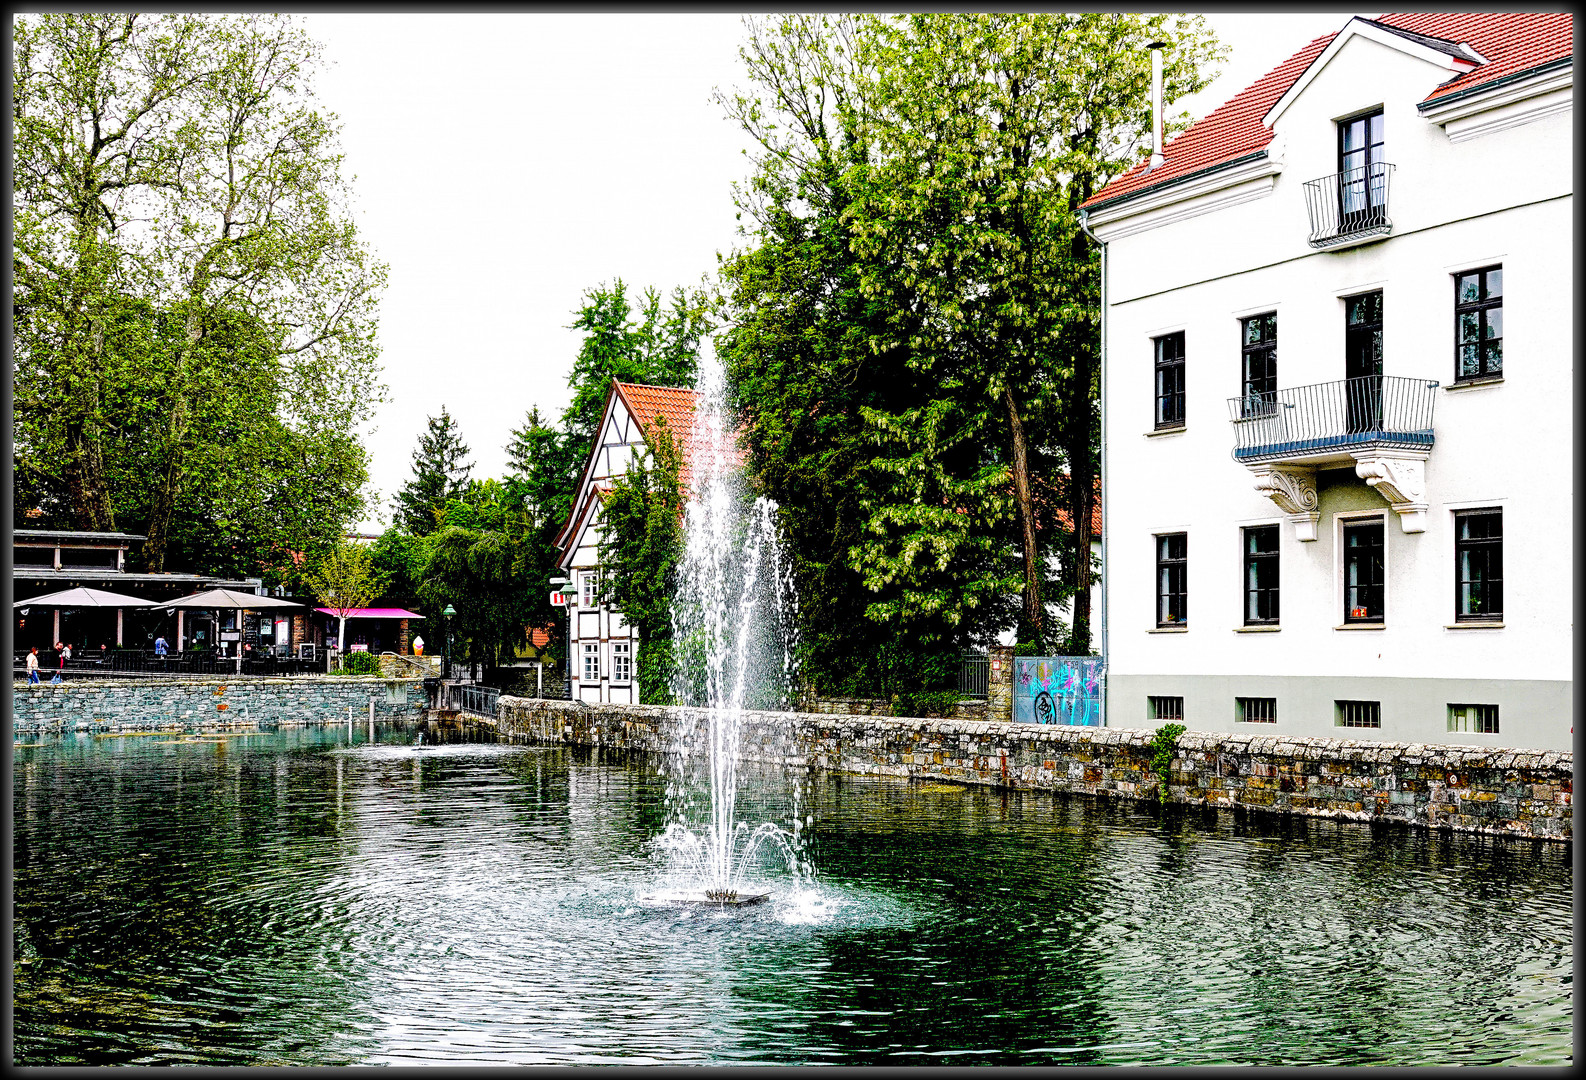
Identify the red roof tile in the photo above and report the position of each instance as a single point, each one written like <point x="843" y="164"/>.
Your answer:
<point x="1512" y="42"/>
<point x="676" y="406"/>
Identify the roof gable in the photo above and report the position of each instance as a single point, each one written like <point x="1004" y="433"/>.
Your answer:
<point x="1510" y="43"/>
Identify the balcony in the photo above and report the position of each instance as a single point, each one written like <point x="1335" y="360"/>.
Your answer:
<point x="1380" y="424"/>
<point x="1349" y="207"/>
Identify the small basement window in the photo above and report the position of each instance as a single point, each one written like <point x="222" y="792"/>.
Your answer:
<point x="1481" y="719"/>
<point x="1165" y="708"/>
<point x="1256" y="710"/>
<point x="1358" y="713"/>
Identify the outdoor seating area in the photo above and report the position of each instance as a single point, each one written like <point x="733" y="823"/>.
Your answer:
<point x="138" y="663"/>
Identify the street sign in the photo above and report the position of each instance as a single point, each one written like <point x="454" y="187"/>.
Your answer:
<point x="559" y="599"/>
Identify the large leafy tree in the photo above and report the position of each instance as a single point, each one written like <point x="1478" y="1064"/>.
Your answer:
<point x="190" y="288"/>
<point x="344" y="580"/>
<point x="440" y="475"/>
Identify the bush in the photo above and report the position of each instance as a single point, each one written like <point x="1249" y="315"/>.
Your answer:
<point x="925" y="703"/>
<point x="1164" y="744"/>
<point x="360" y="663"/>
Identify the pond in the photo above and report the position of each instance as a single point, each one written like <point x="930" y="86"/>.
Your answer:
<point x="290" y="899"/>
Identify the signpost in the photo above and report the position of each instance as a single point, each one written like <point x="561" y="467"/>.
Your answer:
<point x="559" y="599"/>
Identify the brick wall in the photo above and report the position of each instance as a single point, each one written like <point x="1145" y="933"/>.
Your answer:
<point x="1464" y="788"/>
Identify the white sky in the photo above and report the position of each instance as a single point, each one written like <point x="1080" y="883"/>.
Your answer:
<point x="504" y="163"/>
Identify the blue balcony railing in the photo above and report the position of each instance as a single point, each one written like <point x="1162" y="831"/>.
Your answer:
<point x="1323" y="418"/>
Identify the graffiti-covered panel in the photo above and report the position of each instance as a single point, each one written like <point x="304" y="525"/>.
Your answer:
<point x="1058" y="690"/>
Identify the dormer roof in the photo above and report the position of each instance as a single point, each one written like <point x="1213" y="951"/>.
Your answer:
<point x="1477" y="48"/>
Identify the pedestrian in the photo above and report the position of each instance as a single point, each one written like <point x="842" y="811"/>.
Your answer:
<point x="160" y="646"/>
<point x="66" y="654"/>
<point x="33" y="665"/>
<point x="418" y="645"/>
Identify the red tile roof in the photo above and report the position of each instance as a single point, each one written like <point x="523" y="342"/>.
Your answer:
<point x="676" y="406"/>
<point x="1512" y="42"/>
<point x="1065" y="519"/>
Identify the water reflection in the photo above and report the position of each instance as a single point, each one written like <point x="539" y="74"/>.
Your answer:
<point x="294" y="898"/>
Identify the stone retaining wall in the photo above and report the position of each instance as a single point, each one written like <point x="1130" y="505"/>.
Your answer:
<point x="1464" y="788"/>
<point x="963" y="709"/>
<point x="162" y="703"/>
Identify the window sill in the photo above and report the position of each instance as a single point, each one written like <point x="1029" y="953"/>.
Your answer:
<point x="1257" y="629"/>
<point x="1169" y="630"/>
<point x="1176" y="429"/>
<point x="1475" y="626"/>
<point x="1361" y="626"/>
<point x="1475" y="384"/>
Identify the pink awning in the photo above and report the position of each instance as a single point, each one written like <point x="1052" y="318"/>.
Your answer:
<point x="373" y="613"/>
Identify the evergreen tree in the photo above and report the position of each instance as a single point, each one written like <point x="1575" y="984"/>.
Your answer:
<point x="440" y="475"/>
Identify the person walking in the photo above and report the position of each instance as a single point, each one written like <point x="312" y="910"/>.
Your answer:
<point x="159" y="646"/>
<point x="33" y="665"/>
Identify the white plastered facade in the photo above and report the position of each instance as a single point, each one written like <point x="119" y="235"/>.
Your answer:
<point x="1473" y="186"/>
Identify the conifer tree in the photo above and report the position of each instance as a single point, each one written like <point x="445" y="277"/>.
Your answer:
<point x="440" y="474"/>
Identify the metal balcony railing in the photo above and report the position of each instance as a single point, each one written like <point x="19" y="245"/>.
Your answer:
<point x="1349" y="205"/>
<point x="1378" y="410"/>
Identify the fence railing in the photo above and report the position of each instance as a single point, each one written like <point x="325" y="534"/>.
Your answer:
<point x="129" y="663"/>
<point x="478" y="700"/>
<point x="1387" y="410"/>
<point x="1348" y="205"/>
<point x="974" y="675"/>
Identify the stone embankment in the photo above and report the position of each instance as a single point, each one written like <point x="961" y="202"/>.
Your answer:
<point x="153" y="704"/>
<point x="1463" y="788"/>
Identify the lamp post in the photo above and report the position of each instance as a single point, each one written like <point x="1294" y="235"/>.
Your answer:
<point x="567" y="678"/>
<point x="446" y="641"/>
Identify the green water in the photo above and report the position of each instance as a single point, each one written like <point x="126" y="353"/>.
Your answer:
<point x="290" y="899"/>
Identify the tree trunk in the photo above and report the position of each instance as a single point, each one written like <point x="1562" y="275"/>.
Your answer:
<point x="1034" y="612"/>
<point x="1082" y="439"/>
<point x="168" y="484"/>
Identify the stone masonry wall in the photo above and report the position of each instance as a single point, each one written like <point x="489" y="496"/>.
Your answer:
<point x="186" y="703"/>
<point x="964" y="709"/>
<point x="1463" y="788"/>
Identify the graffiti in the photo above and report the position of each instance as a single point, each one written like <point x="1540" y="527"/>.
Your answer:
<point x="1058" y="689"/>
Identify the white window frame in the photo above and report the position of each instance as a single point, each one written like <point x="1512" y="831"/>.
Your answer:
<point x="1354" y="518"/>
<point x="621" y="662"/>
<point x="589" y="589"/>
<point x="591" y="661"/>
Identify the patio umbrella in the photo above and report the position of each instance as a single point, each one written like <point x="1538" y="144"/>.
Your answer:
<point x="84" y="598"/>
<point x="219" y="599"/>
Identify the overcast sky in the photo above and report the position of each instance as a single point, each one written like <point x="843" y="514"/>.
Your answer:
<point x="505" y="163"/>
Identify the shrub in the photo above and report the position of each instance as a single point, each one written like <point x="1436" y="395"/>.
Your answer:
<point x="925" y="703"/>
<point x="1164" y="744"/>
<point x="360" y="663"/>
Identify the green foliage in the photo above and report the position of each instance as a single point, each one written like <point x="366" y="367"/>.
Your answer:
<point x="1164" y="744"/>
<point x="360" y="663"/>
<point x="195" y="316"/>
<point x="924" y="703"/>
<point x="440" y="473"/>
<point x="641" y="547"/>
<point x="345" y="579"/>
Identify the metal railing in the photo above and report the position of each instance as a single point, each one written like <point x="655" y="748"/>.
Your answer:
<point x="479" y="700"/>
<point x="1383" y="410"/>
<point x="974" y="675"/>
<point x="1349" y="205"/>
<point x="129" y="664"/>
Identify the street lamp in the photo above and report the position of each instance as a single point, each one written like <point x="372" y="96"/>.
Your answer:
<point x="446" y="642"/>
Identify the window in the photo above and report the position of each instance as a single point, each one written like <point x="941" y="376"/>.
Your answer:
<point x="591" y="583"/>
<point x="1478" y="324"/>
<point x="1169" y="380"/>
<point x="1362" y="180"/>
<point x="1259" y="345"/>
<point x="1261" y="575"/>
<point x="1481" y="719"/>
<point x="1165" y="708"/>
<point x="1358" y="713"/>
<point x="1172" y="595"/>
<point x="1256" y="710"/>
<point x="592" y="662"/>
<point x="1363" y="361"/>
<point x="1478" y="565"/>
<point x="621" y="662"/>
<point x="1364" y="572"/>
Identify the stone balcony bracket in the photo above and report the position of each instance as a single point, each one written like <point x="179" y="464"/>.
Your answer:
<point x="1400" y="478"/>
<point x="1293" y="489"/>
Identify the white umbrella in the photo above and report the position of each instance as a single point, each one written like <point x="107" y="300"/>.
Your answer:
<point x="217" y="599"/>
<point x="84" y="598"/>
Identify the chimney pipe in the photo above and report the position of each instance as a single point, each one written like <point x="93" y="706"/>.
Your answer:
<point x="1156" y="48"/>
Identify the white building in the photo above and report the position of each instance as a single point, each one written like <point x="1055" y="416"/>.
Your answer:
<point x="602" y="647"/>
<point x="1337" y="392"/>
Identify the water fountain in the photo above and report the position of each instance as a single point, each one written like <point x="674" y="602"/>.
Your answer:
<point x="734" y="636"/>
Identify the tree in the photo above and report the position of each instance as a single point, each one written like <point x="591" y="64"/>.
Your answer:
<point x="345" y="580"/>
<point x="641" y="548"/>
<point x="179" y="210"/>
<point x="440" y="475"/>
